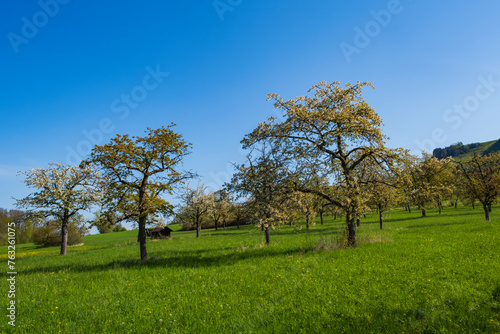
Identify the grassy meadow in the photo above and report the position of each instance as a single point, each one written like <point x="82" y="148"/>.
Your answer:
<point x="439" y="274"/>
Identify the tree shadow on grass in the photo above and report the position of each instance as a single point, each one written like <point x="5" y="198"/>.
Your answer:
<point x="214" y="233"/>
<point x="437" y="224"/>
<point x="178" y="259"/>
<point x="313" y="231"/>
<point x="420" y="218"/>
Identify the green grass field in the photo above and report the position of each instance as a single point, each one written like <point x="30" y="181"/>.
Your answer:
<point x="439" y="274"/>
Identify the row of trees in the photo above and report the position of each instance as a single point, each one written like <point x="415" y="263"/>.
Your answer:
<point x="326" y="152"/>
<point x="201" y="209"/>
<point x="24" y="228"/>
<point x="272" y="196"/>
<point x="43" y="232"/>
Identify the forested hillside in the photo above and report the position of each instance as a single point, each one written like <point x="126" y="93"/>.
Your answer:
<point x="459" y="150"/>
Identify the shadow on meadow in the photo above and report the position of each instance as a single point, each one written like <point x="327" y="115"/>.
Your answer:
<point x="316" y="230"/>
<point x="436" y="224"/>
<point x="183" y="259"/>
<point x="428" y="317"/>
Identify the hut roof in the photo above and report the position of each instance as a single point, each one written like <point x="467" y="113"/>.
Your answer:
<point x="159" y="229"/>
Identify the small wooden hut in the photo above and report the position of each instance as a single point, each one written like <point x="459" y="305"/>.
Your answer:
<point x="160" y="232"/>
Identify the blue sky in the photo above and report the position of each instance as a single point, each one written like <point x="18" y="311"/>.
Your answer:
<point x="75" y="72"/>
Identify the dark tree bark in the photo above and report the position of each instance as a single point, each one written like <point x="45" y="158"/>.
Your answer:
<point x="64" y="234"/>
<point x="486" y="212"/>
<point x="198" y="228"/>
<point x="307" y="221"/>
<point x="216" y="224"/>
<point x="142" y="237"/>
<point x="473" y="204"/>
<point x="456" y="204"/>
<point x="380" y="216"/>
<point x="409" y="208"/>
<point x="489" y="207"/>
<point x="358" y="221"/>
<point x="351" y="230"/>
<point x="142" y="220"/>
<point x="321" y="216"/>
<point x="268" y="234"/>
<point x="424" y="214"/>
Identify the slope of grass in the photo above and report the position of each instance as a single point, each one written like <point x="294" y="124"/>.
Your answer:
<point x="485" y="148"/>
<point x="495" y="147"/>
<point x="434" y="274"/>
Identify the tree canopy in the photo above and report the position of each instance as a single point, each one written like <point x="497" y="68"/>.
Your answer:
<point x="480" y="178"/>
<point x="62" y="191"/>
<point x="139" y="170"/>
<point x="334" y="129"/>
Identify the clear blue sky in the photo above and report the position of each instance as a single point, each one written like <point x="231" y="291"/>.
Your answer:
<point x="68" y="69"/>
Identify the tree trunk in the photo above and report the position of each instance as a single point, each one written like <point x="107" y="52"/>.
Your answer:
<point x="198" y="228"/>
<point x="142" y="222"/>
<point x="268" y="234"/>
<point x="335" y="216"/>
<point x="486" y="212"/>
<point x="440" y="210"/>
<point x="351" y="230"/>
<point x="321" y="216"/>
<point x="224" y="224"/>
<point x="473" y="204"/>
<point x="358" y="221"/>
<point x="456" y="204"/>
<point x="409" y="208"/>
<point x="307" y="221"/>
<point x="381" y="218"/>
<point x="424" y="214"/>
<point x="489" y="207"/>
<point x="216" y="225"/>
<point x="142" y="237"/>
<point x="64" y="235"/>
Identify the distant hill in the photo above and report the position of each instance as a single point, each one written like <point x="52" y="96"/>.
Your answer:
<point x="461" y="151"/>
